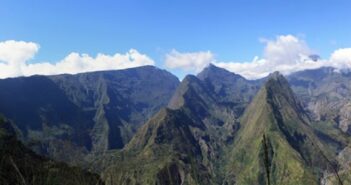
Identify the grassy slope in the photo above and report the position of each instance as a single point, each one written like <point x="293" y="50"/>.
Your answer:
<point x="275" y="144"/>
<point x="164" y="151"/>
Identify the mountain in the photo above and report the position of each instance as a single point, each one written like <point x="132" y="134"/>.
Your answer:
<point x="19" y="165"/>
<point x="229" y="89"/>
<point x="141" y="126"/>
<point x="326" y="93"/>
<point x="213" y="93"/>
<point x="276" y="143"/>
<point x="68" y="117"/>
<point x="201" y="140"/>
<point x="164" y="151"/>
<point x="185" y="143"/>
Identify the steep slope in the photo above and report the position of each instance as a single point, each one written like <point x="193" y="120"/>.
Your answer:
<point x="120" y="100"/>
<point x="194" y="96"/>
<point x="68" y="117"/>
<point x="164" y="151"/>
<point x="326" y="93"/>
<point x="168" y="149"/>
<point x="187" y="143"/>
<point x="216" y="97"/>
<point x="229" y="89"/>
<point x="276" y="144"/>
<point x="19" y="165"/>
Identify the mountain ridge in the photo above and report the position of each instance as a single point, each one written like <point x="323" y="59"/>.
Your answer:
<point x="84" y="114"/>
<point x="287" y="143"/>
<point x="145" y="127"/>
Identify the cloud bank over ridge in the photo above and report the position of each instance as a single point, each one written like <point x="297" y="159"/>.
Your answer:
<point x="14" y="57"/>
<point x="285" y="53"/>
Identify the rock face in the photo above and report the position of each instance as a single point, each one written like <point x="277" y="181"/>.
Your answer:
<point x="69" y="116"/>
<point x="326" y="93"/>
<point x="19" y="165"/>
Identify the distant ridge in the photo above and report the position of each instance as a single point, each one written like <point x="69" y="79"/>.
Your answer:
<point x="69" y="117"/>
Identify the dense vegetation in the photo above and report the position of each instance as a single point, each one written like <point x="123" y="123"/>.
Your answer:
<point x="21" y="166"/>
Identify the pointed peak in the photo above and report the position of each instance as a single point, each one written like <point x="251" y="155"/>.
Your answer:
<point x="276" y="78"/>
<point x="213" y="71"/>
<point x="212" y="66"/>
<point x="275" y="75"/>
<point x="188" y="84"/>
<point x="189" y="78"/>
<point x="189" y="81"/>
<point x="277" y="92"/>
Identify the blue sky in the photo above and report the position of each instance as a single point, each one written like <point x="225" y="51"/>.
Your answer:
<point x="230" y="30"/>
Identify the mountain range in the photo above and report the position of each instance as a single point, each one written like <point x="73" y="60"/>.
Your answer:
<point x="69" y="117"/>
<point x="143" y="126"/>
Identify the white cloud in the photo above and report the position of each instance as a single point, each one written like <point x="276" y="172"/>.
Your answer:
<point x="190" y="62"/>
<point x="341" y="58"/>
<point x="15" y="54"/>
<point x="286" y="54"/>
<point x="286" y="49"/>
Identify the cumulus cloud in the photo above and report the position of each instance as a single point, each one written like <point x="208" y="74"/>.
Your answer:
<point x="286" y="54"/>
<point x="190" y="62"/>
<point x="341" y="58"/>
<point x="14" y="56"/>
<point x="286" y="49"/>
